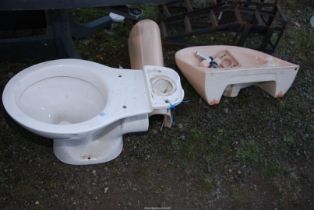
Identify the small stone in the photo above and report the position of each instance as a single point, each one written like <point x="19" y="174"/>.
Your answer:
<point x="106" y="189"/>
<point x="230" y="170"/>
<point x="226" y="110"/>
<point x="180" y="126"/>
<point x="297" y="24"/>
<point x="182" y="137"/>
<point x="239" y="172"/>
<point x="85" y="42"/>
<point x="36" y="202"/>
<point x="94" y="172"/>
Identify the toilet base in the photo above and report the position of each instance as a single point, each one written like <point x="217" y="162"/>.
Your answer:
<point x="98" y="146"/>
<point x="88" y="151"/>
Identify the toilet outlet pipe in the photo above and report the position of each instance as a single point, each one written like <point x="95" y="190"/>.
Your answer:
<point x="145" y="45"/>
<point x="137" y="123"/>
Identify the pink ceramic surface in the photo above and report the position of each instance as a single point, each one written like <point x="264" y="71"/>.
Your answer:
<point x="238" y="68"/>
<point x="145" y="45"/>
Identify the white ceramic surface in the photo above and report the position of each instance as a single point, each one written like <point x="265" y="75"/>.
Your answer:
<point x="86" y="107"/>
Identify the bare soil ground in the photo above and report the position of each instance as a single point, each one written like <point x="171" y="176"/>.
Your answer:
<point x="249" y="152"/>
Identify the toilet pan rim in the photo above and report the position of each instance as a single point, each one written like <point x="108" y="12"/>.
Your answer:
<point x="12" y="108"/>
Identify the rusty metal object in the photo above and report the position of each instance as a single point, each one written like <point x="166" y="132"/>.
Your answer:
<point x="240" y="18"/>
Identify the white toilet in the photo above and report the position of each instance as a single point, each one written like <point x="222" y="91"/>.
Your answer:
<point x="86" y="107"/>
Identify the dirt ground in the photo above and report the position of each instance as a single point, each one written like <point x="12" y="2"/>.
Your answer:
<point x="249" y="152"/>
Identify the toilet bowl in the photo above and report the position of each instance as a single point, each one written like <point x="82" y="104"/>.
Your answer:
<point x="86" y="107"/>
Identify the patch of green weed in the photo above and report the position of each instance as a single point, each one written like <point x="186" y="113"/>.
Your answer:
<point x="247" y="151"/>
<point x="208" y="185"/>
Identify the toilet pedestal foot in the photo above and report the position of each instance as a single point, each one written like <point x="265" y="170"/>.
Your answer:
<point x="85" y="152"/>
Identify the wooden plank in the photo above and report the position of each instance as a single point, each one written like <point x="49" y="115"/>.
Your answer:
<point x="238" y="15"/>
<point x="213" y="18"/>
<point x="259" y="18"/>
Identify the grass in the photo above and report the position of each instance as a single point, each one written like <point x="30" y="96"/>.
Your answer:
<point x="249" y="152"/>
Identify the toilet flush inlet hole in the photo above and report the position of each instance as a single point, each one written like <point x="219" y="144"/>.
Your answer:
<point x="162" y="86"/>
